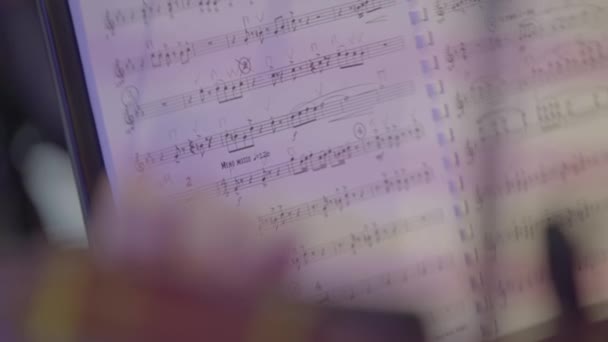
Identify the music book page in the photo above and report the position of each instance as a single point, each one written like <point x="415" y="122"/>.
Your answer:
<point x="414" y="150"/>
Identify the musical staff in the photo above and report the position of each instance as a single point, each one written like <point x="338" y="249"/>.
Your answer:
<point x="312" y="162"/>
<point x="554" y="112"/>
<point x="443" y="8"/>
<point x="383" y="281"/>
<point x="510" y="287"/>
<point x="592" y="259"/>
<point x="533" y="280"/>
<point x="152" y="10"/>
<point x="564" y="110"/>
<point x="524" y="181"/>
<point x="369" y="237"/>
<point x="529" y="228"/>
<point x="341" y="103"/>
<point x="401" y="180"/>
<point x="557" y="64"/>
<point x="559" y="19"/>
<point x="497" y="295"/>
<point x="531" y="26"/>
<point x="538" y="279"/>
<point x="223" y="92"/>
<point x="567" y="60"/>
<point x="571" y="218"/>
<point x="183" y="53"/>
<point x="439" y="314"/>
<point x="571" y="106"/>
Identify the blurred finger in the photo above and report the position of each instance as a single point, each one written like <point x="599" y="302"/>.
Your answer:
<point x="201" y="241"/>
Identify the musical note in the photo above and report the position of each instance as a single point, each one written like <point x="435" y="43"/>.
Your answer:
<point x="152" y="10"/>
<point x="456" y="53"/>
<point x="533" y="228"/>
<point x="238" y="141"/>
<point x="350" y="59"/>
<point x="382" y="281"/>
<point x="178" y="152"/>
<point x="235" y="89"/>
<point x="401" y="180"/>
<point x="563" y="110"/>
<point x="183" y="53"/>
<point x="591" y="260"/>
<point x="443" y="8"/>
<point x="501" y="122"/>
<point x="552" y="114"/>
<point x="371" y="236"/>
<point x="526" y="180"/>
<point x="533" y="26"/>
<point x="571" y="106"/>
<point x="335" y="104"/>
<point x="507" y="287"/>
<point x="331" y="157"/>
<point x="546" y="22"/>
<point x="557" y="64"/>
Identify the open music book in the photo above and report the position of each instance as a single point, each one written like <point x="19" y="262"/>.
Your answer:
<point x="415" y="150"/>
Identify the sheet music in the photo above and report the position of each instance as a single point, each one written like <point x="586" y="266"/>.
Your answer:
<point x="363" y="129"/>
<point x="519" y="103"/>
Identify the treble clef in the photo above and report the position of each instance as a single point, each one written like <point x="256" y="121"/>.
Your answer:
<point x="129" y="117"/>
<point x="110" y="23"/>
<point x="132" y="111"/>
<point x="139" y="165"/>
<point x="119" y="72"/>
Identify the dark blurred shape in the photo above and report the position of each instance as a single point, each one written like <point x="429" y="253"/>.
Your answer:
<point x="353" y="326"/>
<point x="561" y="257"/>
<point x="28" y="78"/>
<point x="27" y="99"/>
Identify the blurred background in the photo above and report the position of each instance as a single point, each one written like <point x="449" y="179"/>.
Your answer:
<point x="37" y="187"/>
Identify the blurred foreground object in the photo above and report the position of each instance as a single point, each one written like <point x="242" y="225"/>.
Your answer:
<point x="37" y="189"/>
<point x="49" y="181"/>
<point x="574" y="325"/>
<point x="154" y="275"/>
<point x="70" y="298"/>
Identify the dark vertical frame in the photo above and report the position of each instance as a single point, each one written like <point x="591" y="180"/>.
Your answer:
<point x="76" y="112"/>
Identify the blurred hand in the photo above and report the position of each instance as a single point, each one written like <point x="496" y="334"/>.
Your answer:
<point x="157" y="272"/>
<point x="203" y="243"/>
